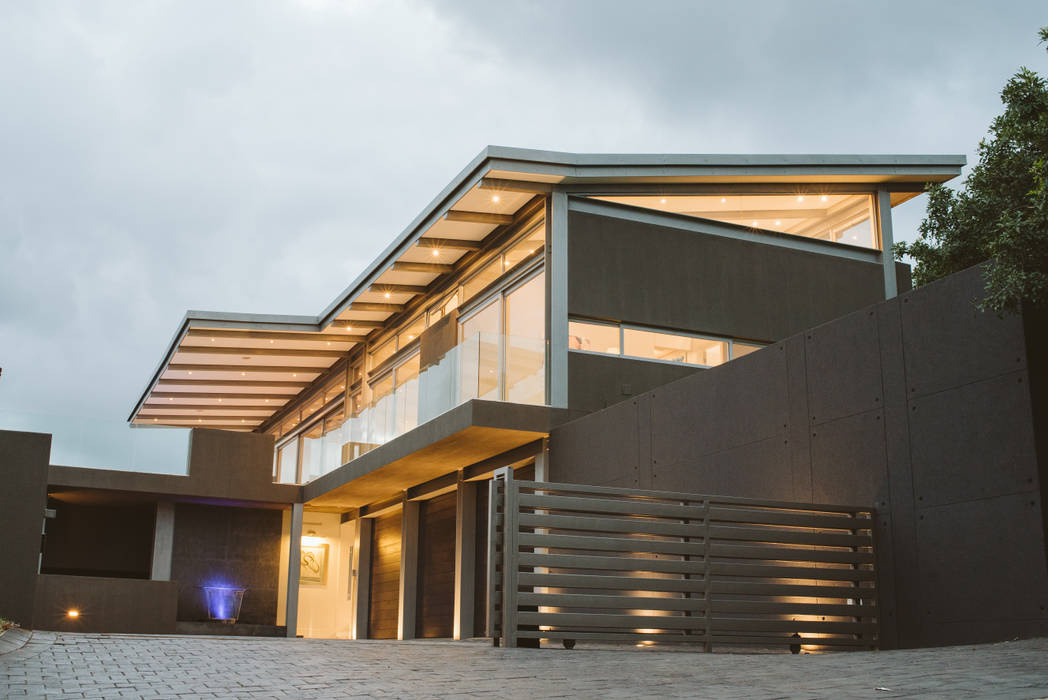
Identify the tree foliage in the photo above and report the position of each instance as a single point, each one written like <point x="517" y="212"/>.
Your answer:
<point x="1001" y="213"/>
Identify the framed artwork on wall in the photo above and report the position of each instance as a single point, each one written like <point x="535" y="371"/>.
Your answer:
<point x="313" y="568"/>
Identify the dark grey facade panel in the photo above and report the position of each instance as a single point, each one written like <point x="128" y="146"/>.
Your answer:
<point x="105" y="604"/>
<point x="113" y="541"/>
<point x="598" y="381"/>
<point x="23" y="473"/>
<point x="227" y="546"/>
<point x="636" y="272"/>
<point x="920" y="406"/>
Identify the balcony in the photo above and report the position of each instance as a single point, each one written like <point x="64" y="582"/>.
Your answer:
<point x="485" y="366"/>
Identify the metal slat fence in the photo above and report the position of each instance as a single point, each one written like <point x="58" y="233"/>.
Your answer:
<point x="570" y="562"/>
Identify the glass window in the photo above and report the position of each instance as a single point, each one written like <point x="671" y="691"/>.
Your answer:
<point x="593" y="337"/>
<point x="674" y="348"/>
<point x="488" y="274"/>
<point x="380" y="425"/>
<point x="525" y="342"/>
<point x="312" y="452"/>
<point x="526" y="247"/>
<point x="287" y="467"/>
<point x="382" y="353"/>
<point x="335" y="389"/>
<point x="315" y="403"/>
<point x="412" y="331"/>
<point x="480" y="335"/>
<point x="406" y="393"/>
<point x="334" y="437"/>
<point x="739" y="349"/>
<point x="842" y="218"/>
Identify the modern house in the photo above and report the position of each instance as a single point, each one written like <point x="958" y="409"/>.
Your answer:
<point x="336" y="461"/>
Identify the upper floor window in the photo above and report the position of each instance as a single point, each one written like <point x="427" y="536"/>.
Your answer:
<point x="650" y="344"/>
<point x="840" y="218"/>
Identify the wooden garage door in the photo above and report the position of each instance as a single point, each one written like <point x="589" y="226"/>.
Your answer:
<point x="436" y="567"/>
<point x="385" y="577"/>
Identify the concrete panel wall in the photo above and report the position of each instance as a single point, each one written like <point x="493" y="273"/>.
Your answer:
<point x="105" y="604"/>
<point x="23" y="473"/>
<point x="919" y="406"/>
<point x="598" y="381"/>
<point x="227" y="546"/>
<point x="623" y="270"/>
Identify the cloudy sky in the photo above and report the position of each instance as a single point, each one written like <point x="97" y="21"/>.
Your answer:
<point x="255" y="156"/>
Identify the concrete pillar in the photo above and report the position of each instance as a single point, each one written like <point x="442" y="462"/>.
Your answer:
<point x="884" y="222"/>
<point x="362" y="578"/>
<point x="557" y="300"/>
<point x="542" y="462"/>
<point x="408" y="571"/>
<point x="465" y="557"/>
<point x="163" y="541"/>
<point x="294" y="562"/>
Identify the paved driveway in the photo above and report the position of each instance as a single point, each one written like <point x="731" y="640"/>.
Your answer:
<point x="94" y="665"/>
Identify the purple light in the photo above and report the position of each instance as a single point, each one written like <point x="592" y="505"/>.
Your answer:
<point x="223" y="602"/>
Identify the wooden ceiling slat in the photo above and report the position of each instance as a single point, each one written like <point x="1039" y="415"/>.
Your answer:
<point x="266" y="352"/>
<point x="175" y="416"/>
<point x="356" y="323"/>
<point x="372" y="306"/>
<point x="449" y="243"/>
<point x="435" y="268"/>
<point x="236" y="383"/>
<point x="218" y="395"/>
<point x="274" y="335"/>
<point x="165" y="405"/>
<point x="250" y="369"/>
<point x="398" y="288"/>
<point x="478" y="217"/>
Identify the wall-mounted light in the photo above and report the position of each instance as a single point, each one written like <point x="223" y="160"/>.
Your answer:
<point x="310" y="539"/>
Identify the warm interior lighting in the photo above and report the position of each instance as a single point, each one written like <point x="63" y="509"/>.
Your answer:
<point x="294" y="374"/>
<point x="267" y="400"/>
<point x="435" y="252"/>
<point x="212" y="340"/>
<point x="310" y="539"/>
<point x="271" y="342"/>
<point x="800" y="198"/>
<point x="348" y="329"/>
<point x="72" y="612"/>
<point x="823" y="198"/>
<point x="755" y="223"/>
<point x="723" y="200"/>
<point x="663" y="200"/>
<point x="243" y="374"/>
<point x="778" y="223"/>
<point x="170" y="399"/>
<point x="387" y="295"/>
<point x="495" y="198"/>
<point x="190" y="371"/>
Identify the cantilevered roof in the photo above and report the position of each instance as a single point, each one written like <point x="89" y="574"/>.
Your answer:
<point x="234" y="371"/>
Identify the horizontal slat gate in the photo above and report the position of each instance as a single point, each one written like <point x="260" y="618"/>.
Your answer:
<point x="574" y="562"/>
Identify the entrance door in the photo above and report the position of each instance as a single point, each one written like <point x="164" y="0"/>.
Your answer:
<point x="385" y="577"/>
<point x="436" y="567"/>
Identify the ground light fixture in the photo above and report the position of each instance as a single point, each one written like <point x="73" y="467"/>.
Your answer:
<point x="223" y="603"/>
<point x="72" y="613"/>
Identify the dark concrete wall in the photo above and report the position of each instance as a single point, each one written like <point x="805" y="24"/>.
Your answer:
<point x="23" y="474"/>
<point x="920" y="406"/>
<point x="223" y="466"/>
<point x="228" y="546"/>
<point x="598" y="381"/>
<point x="110" y="541"/>
<point x="105" y="604"/>
<point x="623" y="270"/>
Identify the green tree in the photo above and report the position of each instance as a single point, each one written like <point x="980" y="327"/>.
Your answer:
<point x="1001" y="213"/>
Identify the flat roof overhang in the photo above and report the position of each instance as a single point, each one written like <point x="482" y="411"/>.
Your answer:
<point x="470" y="433"/>
<point x="237" y="371"/>
<point x="113" y="486"/>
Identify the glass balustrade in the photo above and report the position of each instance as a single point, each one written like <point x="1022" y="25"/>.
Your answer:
<point x="484" y="366"/>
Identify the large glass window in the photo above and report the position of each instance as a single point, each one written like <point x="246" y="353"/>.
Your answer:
<point x="650" y="344"/>
<point x="525" y="342"/>
<point x="667" y="347"/>
<point x="287" y="462"/>
<point x="593" y="337"/>
<point x="841" y="218"/>
<point x="480" y="336"/>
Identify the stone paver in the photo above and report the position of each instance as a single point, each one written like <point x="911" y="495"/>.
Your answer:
<point x="62" y="665"/>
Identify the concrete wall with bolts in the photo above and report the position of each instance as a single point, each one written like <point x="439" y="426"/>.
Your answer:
<point x="634" y="272"/>
<point x="23" y="473"/>
<point x="920" y="405"/>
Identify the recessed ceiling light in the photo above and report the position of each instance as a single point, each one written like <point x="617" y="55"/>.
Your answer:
<point x="495" y="198"/>
<point x="754" y="223"/>
<point x="723" y="200"/>
<point x="663" y="200"/>
<point x="387" y="295"/>
<point x="778" y="223"/>
<point x="190" y="371"/>
<point x="823" y="198"/>
<point x="800" y="198"/>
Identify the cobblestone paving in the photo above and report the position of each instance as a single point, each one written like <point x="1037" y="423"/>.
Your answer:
<point x="107" y="666"/>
